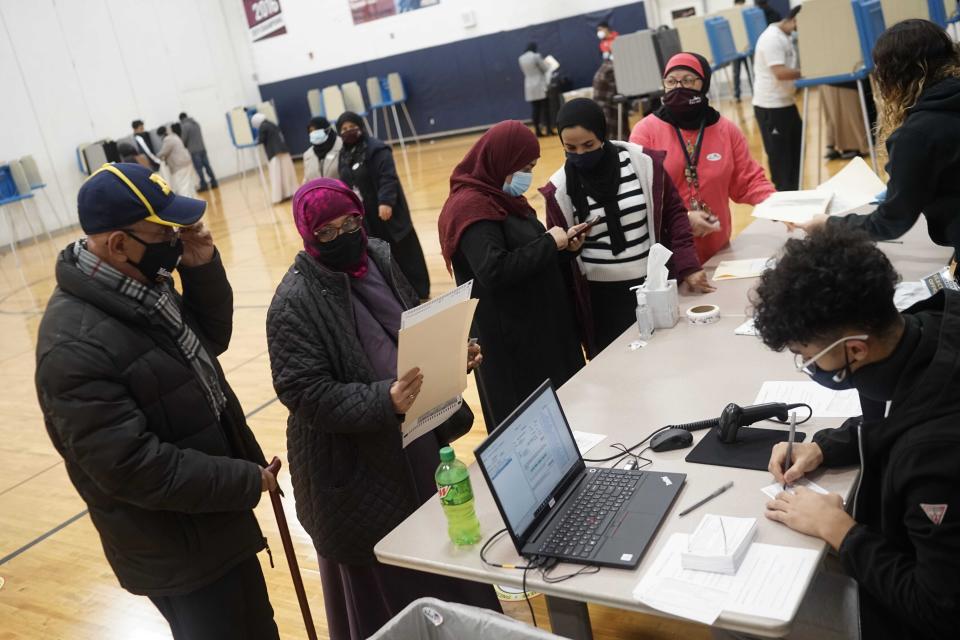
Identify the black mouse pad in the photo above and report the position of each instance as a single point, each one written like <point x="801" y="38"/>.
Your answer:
<point x="750" y="451"/>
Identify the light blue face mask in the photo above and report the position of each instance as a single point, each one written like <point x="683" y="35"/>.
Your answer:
<point x="520" y="183"/>
<point x="318" y="136"/>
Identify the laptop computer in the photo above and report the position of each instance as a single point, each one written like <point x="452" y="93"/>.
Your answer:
<point x="555" y="506"/>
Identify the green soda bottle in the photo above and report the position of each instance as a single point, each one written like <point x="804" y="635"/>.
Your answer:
<point x="456" y="496"/>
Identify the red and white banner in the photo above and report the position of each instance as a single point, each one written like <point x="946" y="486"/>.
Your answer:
<point x="264" y="18"/>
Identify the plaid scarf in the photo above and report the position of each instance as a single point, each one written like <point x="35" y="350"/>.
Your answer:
<point x="159" y="305"/>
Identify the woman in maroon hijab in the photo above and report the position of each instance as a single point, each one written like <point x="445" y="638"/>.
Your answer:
<point x="489" y="233"/>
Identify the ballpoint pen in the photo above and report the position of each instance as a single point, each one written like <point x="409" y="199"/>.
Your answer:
<point x="706" y="500"/>
<point x="789" y="459"/>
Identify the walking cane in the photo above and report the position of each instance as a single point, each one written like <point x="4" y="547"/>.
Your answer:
<point x="274" y="468"/>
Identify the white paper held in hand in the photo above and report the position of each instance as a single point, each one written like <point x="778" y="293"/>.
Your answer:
<point x="854" y="187"/>
<point x="793" y="206"/>
<point x="773" y="490"/>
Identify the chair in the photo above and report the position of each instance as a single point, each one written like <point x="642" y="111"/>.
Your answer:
<point x="15" y="189"/>
<point x="353" y="101"/>
<point x="35" y="180"/>
<point x="333" y="104"/>
<point x="315" y="102"/>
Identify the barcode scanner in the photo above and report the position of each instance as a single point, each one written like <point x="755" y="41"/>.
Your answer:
<point x="734" y="416"/>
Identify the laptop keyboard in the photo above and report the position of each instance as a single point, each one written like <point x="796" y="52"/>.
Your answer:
<point x="591" y="512"/>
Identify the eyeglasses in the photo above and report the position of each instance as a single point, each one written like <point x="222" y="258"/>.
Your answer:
<point x="330" y="232"/>
<point x="689" y="82"/>
<point x="168" y="234"/>
<point x="804" y="365"/>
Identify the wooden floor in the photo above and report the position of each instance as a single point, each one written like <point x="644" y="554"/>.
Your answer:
<point x="57" y="582"/>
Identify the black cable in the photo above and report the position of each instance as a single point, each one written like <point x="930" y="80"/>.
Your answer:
<point x="626" y="450"/>
<point x="526" y="596"/>
<point x="796" y="405"/>
<point x="585" y="570"/>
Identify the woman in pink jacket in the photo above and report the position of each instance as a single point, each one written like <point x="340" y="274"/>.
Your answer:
<point x="712" y="164"/>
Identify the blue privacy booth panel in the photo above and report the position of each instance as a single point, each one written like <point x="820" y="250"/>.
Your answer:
<point x="462" y="84"/>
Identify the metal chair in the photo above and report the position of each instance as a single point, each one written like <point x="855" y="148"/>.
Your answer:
<point x="353" y="101"/>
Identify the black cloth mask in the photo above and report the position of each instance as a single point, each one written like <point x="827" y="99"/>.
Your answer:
<point x="343" y="252"/>
<point x="159" y="259"/>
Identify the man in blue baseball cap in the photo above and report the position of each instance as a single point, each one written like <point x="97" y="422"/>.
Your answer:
<point x="133" y="398"/>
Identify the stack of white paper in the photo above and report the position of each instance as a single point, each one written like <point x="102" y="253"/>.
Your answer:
<point x="770" y="583"/>
<point x="854" y="187"/>
<point x="825" y="403"/>
<point x="793" y="206"/>
<point x="719" y="544"/>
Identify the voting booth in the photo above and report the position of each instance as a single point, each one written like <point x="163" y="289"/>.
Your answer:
<point x="244" y="138"/>
<point x="639" y="60"/>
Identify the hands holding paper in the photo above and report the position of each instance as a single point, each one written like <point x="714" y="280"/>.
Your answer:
<point x="404" y="391"/>
<point x="813" y="223"/>
<point x="806" y="511"/>
<point x="474" y="356"/>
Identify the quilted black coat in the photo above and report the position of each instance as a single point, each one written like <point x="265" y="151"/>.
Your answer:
<point x="349" y="474"/>
<point x="170" y="487"/>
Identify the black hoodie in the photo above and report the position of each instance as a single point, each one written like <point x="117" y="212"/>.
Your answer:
<point x="924" y="170"/>
<point x="904" y="551"/>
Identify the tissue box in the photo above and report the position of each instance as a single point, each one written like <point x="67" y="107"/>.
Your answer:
<point x="719" y="544"/>
<point x="664" y="304"/>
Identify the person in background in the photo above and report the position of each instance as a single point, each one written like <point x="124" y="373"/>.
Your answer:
<point x="182" y="174"/>
<point x="771" y="14"/>
<point x="535" y="88"/>
<point x="604" y="92"/>
<point x="130" y="154"/>
<point x="332" y="332"/>
<point x="918" y="77"/>
<point x="627" y="194"/>
<point x="606" y="36"/>
<point x="707" y="155"/>
<point x="845" y="135"/>
<point x="145" y="144"/>
<point x="490" y="234"/>
<point x="322" y="158"/>
<point x="193" y="139"/>
<point x="283" y="177"/>
<point x="829" y="301"/>
<point x="781" y="128"/>
<point x="366" y="165"/>
<point x="134" y="400"/>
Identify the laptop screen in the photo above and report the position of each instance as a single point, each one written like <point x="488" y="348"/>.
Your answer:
<point x="528" y="457"/>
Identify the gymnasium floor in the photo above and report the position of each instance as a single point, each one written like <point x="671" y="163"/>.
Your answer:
<point x="57" y="582"/>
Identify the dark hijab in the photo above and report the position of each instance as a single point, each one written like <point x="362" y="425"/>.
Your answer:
<point x="322" y="124"/>
<point x="602" y="182"/>
<point x="683" y="116"/>
<point x="476" y="185"/>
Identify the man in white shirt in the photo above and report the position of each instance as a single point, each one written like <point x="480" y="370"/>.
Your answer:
<point x="773" y="101"/>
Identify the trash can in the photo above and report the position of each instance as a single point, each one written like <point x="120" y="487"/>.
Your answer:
<point x="432" y="619"/>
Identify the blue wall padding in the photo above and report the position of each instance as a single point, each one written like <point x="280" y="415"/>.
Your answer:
<point x="466" y="83"/>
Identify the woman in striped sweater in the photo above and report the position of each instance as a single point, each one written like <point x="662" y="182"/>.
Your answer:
<point x="635" y="204"/>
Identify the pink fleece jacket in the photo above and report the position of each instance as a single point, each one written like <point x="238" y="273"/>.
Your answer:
<point x="726" y="170"/>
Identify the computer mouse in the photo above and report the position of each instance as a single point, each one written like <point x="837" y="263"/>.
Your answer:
<point x="670" y="439"/>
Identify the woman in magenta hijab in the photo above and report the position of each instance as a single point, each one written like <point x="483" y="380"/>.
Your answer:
<point x="332" y="336"/>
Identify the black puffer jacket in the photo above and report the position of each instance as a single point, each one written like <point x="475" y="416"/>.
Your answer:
<point x="349" y="474"/>
<point x="170" y="487"/>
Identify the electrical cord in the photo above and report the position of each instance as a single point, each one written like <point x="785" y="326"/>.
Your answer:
<point x="535" y="563"/>
<point x="795" y="405"/>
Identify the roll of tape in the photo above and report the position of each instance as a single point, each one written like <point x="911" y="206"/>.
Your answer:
<point x="703" y="314"/>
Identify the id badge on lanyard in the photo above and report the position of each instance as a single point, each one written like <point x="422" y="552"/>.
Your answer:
<point x="691" y="155"/>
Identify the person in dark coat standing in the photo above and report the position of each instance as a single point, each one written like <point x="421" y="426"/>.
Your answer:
<point x="332" y="332"/>
<point x="192" y="137"/>
<point x="366" y="166"/>
<point x="133" y="398"/>
<point x="490" y="234"/>
<point x="283" y="177"/>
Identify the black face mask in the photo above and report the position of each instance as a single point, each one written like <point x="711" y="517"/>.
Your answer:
<point x="352" y="137"/>
<point x="585" y="161"/>
<point x="159" y="259"/>
<point x="343" y="252"/>
<point x="686" y="106"/>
